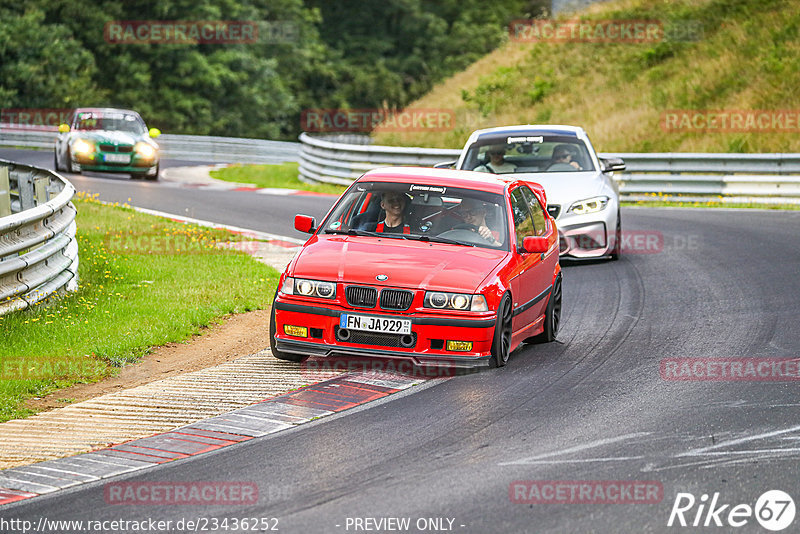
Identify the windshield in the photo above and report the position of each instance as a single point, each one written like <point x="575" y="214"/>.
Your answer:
<point x="421" y="212"/>
<point x="528" y="153"/>
<point x="119" y="122"/>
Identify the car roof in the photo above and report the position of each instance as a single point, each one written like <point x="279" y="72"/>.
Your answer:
<point x="527" y="129"/>
<point x="481" y="181"/>
<point x="105" y="110"/>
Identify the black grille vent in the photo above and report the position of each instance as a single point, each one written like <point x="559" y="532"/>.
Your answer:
<point x="554" y="210"/>
<point x="396" y="299"/>
<point x="378" y="339"/>
<point x="362" y="297"/>
<point x="104" y="147"/>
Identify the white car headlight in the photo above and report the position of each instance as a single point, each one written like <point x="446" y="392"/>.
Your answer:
<point x="454" y="301"/>
<point x="145" y="150"/>
<point x="590" y="205"/>
<point x="82" y="146"/>
<point x="309" y="288"/>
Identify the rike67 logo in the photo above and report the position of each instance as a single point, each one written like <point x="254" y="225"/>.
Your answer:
<point x="774" y="510"/>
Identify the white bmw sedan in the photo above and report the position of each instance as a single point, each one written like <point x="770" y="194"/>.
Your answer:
<point x="581" y="193"/>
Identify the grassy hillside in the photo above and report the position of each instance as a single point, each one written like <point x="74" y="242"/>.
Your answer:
<point x="747" y="58"/>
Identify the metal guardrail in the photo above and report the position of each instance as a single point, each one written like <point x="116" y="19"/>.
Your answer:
<point x="38" y="248"/>
<point x="185" y="147"/>
<point x="340" y="160"/>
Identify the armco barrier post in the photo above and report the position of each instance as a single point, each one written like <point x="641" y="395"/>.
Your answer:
<point x="25" y="186"/>
<point x="5" y="193"/>
<point x="40" y="190"/>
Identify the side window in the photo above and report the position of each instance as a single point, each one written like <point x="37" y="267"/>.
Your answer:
<point x="539" y="219"/>
<point x="523" y="224"/>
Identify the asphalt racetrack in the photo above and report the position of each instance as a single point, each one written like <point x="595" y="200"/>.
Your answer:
<point x="607" y="404"/>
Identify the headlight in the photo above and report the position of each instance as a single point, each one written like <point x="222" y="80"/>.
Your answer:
<point x="590" y="205"/>
<point x="145" y="150"/>
<point x="82" y="146"/>
<point x="454" y="301"/>
<point x="308" y="288"/>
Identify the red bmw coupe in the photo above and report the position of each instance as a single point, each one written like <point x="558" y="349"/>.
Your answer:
<point x="435" y="266"/>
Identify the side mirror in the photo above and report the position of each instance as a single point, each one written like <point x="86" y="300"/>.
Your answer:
<point x="63" y="128"/>
<point x="534" y="244"/>
<point x="445" y="165"/>
<point x="612" y="164"/>
<point x="154" y="132"/>
<point x="305" y="224"/>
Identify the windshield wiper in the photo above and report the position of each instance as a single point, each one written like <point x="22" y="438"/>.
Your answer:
<point x="437" y="239"/>
<point x="353" y="231"/>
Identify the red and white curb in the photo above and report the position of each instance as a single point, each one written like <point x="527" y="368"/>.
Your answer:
<point x="266" y="417"/>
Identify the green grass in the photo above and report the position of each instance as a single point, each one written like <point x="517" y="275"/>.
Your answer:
<point x="282" y="176"/>
<point x="170" y="281"/>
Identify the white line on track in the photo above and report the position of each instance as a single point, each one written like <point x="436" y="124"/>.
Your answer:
<point x="577" y="448"/>
<point x="245" y="231"/>
<point x="705" y="450"/>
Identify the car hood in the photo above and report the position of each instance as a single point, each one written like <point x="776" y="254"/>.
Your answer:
<point x="567" y="187"/>
<point x="408" y="264"/>
<point x="113" y="137"/>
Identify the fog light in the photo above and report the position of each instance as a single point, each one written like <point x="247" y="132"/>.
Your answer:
<point x="461" y="346"/>
<point x="298" y="331"/>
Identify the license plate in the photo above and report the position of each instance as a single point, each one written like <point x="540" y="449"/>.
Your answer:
<point x="387" y="325"/>
<point x="118" y="158"/>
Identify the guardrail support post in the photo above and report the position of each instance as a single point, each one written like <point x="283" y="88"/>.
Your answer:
<point x="40" y="190"/>
<point x="26" y="195"/>
<point x="5" y="193"/>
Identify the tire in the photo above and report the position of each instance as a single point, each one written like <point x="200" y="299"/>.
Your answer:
<point x="291" y="357"/>
<point x="615" y="253"/>
<point x="552" y="316"/>
<point x="55" y="162"/>
<point x="501" y="343"/>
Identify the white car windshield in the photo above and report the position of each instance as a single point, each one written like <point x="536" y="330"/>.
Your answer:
<point x="421" y="212"/>
<point x="528" y="153"/>
<point x="117" y="122"/>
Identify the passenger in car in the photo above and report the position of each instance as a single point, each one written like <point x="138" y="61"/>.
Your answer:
<point x="497" y="163"/>
<point x="563" y="160"/>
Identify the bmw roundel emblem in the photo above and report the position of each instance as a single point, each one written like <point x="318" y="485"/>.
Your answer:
<point x="382" y="277"/>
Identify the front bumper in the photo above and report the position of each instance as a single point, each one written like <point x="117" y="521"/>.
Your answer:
<point x="96" y="162"/>
<point x="589" y="240"/>
<point x="430" y="333"/>
<point x="590" y="235"/>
